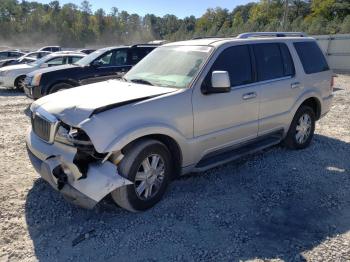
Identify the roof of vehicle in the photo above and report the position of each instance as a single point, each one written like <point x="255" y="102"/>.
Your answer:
<point x="127" y="46"/>
<point x="246" y="37"/>
<point x="68" y="53"/>
<point x="49" y="46"/>
<point x="12" y="50"/>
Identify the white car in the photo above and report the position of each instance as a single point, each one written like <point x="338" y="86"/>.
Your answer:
<point x="186" y="107"/>
<point x="14" y="76"/>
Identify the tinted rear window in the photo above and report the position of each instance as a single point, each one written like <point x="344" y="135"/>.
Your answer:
<point x="288" y="64"/>
<point x="236" y="61"/>
<point x="269" y="61"/>
<point x="311" y="57"/>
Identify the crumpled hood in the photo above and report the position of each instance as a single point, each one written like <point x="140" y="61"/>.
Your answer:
<point x="75" y="105"/>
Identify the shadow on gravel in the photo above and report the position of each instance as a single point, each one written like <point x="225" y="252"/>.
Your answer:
<point x="276" y="204"/>
<point x="10" y="92"/>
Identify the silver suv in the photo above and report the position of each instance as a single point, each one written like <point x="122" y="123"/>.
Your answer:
<point x="186" y="107"/>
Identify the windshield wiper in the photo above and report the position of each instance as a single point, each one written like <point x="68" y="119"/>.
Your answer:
<point x="141" y="81"/>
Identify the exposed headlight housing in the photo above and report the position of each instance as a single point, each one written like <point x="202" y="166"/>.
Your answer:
<point x="36" y="80"/>
<point x="72" y="136"/>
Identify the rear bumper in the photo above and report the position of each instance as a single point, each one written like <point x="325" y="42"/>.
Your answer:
<point x="326" y="105"/>
<point x="55" y="164"/>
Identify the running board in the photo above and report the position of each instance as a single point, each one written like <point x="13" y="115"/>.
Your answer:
<point x="234" y="152"/>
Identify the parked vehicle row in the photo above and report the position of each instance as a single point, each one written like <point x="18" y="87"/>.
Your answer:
<point x="186" y="107"/>
<point x="14" y="76"/>
<point x="104" y="64"/>
<point x="14" y="57"/>
<point x="25" y="59"/>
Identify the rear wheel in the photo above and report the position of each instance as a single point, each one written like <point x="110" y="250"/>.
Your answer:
<point x="59" y="87"/>
<point x="302" y="129"/>
<point x="20" y="83"/>
<point x="148" y="165"/>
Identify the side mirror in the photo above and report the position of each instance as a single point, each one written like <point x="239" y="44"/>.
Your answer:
<point x="44" y="65"/>
<point x="220" y="82"/>
<point x="96" y="63"/>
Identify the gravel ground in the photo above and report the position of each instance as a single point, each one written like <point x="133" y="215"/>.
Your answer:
<point x="277" y="205"/>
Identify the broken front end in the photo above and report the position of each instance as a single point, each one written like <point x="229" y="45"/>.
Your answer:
<point x="65" y="157"/>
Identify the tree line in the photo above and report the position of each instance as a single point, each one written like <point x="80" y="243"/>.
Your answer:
<point x="30" y="23"/>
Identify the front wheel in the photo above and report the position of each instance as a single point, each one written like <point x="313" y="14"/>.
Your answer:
<point x="59" y="87"/>
<point x="20" y="83"/>
<point x="302" y="129"/>
<point x="148" y="165"/>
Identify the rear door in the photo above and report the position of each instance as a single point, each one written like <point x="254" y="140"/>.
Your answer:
<point x="111" y="65"/>
<point x="278" y="83"/>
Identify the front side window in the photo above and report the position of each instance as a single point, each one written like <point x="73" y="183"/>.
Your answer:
<point x="74" y="59"/>
<point x="311" y="57"/>
<point x="113" y="58"/>
<point x="120" y="57"/>
<point x="137" y="54"/>
<point x="170" y="66"/>
<point x="56" y="61"/>
<point x="237" y="62"/>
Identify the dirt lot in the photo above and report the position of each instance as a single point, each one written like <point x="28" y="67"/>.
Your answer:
<point x="277" y="205"/>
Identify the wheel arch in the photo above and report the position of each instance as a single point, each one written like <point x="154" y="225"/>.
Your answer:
<point x="17" y="78"/>
<point x="315" y="104"/>
<point x="63" y="81"/>
<point x="169" y="142"/>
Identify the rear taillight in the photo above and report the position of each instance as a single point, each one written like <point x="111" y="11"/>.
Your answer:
<point x="332" y="83"/>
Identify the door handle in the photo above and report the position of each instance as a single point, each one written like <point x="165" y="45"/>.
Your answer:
<point x="248" y="96"/>
<point x="295" y="85"/>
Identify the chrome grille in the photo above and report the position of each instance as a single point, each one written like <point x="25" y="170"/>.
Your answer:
<point x="44" y="125"/>
<point x="41" y="127"/>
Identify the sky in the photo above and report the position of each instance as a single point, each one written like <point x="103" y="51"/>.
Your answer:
<point x="180" y="8"/>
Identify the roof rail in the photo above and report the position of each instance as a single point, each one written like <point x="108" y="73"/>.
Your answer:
<point x="206" y="37"/>
<point x="275" y="34"/>
<point x="146" y="44"/>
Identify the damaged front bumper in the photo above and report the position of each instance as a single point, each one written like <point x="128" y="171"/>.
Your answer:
<point x="55" y="163"/>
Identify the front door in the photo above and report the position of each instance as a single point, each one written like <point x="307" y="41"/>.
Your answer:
<point x="111" y="65"/>
<point x="224" y="119"/>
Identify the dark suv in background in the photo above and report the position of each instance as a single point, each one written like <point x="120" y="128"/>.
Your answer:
<point x="101" y="65"/>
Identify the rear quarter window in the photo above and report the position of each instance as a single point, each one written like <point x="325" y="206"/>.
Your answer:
<point x="311" y="57"/>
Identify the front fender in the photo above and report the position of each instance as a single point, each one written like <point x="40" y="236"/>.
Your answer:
<point x="141" y="131"/>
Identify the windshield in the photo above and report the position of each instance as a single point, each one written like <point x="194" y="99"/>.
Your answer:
<point x="170" y="66"/>
<point x="89" y="58"/>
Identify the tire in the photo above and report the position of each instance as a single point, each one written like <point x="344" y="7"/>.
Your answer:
<point x="129" y="197"/>
<point x="301" y="130"/>
<point x="19" y="83"/>
<point x="59" y="87"/>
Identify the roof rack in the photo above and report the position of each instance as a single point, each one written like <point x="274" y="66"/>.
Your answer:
<point x="271" y="34"/>
<point x="146" y="44"/>
<point x="206" y="37"/>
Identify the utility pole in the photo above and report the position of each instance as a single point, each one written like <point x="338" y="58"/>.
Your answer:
<point x="285" y="15"/>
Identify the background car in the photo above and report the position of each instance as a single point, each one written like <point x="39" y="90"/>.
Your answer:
<point x="51" y="48"/>
<point x="10" y="54"/>
<point x="13" y="76"/>
<point x="25" y="59"/>
<point x="101" y="65"/>
<point x="87" y="51"/>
